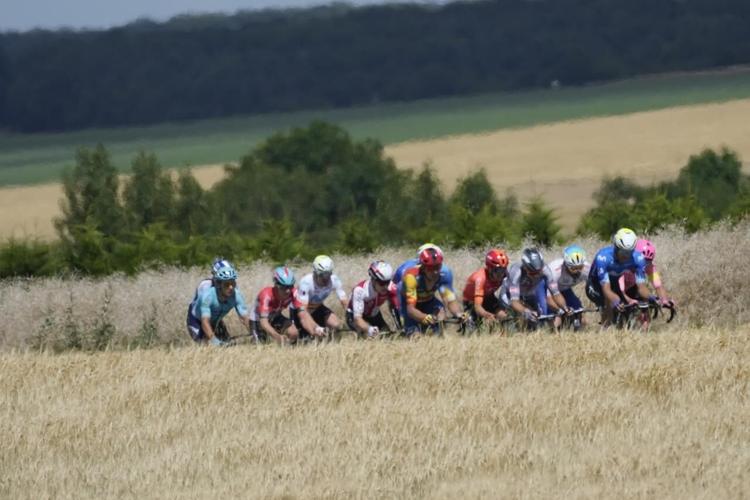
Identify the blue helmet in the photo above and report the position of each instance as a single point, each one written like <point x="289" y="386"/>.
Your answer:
<point x="217" y="264"/>
<point x="226" y="273"/>
<point x="574" y="256"/>
<point x="283" y="276"/>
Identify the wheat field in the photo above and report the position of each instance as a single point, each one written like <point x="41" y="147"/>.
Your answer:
<point x="598" y="414"/>
<point x="562" y="162"/>
<point x="608" y="415"/>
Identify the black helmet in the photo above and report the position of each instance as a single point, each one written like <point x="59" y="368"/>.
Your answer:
<point x="532" y="260"/>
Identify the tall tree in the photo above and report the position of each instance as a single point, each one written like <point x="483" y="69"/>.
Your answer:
<point x="149" y="193"/>
<point x="91" y="195"/>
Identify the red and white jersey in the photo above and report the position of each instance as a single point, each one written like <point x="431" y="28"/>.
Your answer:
<point x="268" y="303"/>
<point x="366" y="302"/>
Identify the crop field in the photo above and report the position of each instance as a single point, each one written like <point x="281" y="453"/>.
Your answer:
<point x="562" y="162"/>
<point x="38" y="158"/>
<point x="596" y="414"/>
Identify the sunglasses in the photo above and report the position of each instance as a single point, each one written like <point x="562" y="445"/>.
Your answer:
<point x="382" y="283"/>
<point x="285" y="287"/>
<point x="575" y="269"/>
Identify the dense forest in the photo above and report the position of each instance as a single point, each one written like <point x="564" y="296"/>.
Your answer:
<point x="336" y="56"/>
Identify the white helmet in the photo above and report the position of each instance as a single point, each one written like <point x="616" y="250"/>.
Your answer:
<point x="381" y="271"/>
<point x="426" y="246"/>
<point x="625" y="239"/>
<point x="322" y="264"/>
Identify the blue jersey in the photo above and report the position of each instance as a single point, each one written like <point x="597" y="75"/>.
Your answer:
<point x="605" y="265"/>
<point x="399" y="274"/>
<point x="208" y="305"/>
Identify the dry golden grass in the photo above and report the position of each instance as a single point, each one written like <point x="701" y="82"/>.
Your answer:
<point x="705" y="273"/>
<point x="564" y="162"/>
<point x="607" y="415"/>
<point x="589" y="415"/>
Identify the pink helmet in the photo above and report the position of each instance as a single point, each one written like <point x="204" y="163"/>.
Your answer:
<point x="646" y="248"/>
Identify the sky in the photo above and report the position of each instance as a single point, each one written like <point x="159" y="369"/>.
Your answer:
<point x="23" y="15"/>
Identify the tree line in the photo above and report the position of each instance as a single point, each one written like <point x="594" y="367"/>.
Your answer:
<point x="337" y="56"/>
<point x="316" y="190"/>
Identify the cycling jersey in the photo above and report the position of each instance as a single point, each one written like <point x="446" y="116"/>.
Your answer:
<point x="627" y="280"/>
<point x="208" y="305"/>
<point x="313" y="295"/>
<point x="606" y="266"/>
<point x="366" y="302"/>
<point x="399" y="274"/>
<point x="267" y="304"/>
<point x="202" y="287"/>
<point x="479" y="286"/>
<point x="520" y="285"/>
<point x="414" y="289"/>
<point x="563" y="278"/>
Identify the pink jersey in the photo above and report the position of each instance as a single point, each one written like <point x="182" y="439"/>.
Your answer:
<point x="267" y="303"/>
<point x="627" y="280"/>
<point x="366" y="302"/>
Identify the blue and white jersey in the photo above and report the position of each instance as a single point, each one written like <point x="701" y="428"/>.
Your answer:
<point x="208" y="305"/>
<point x="445" y="271"/>
<point x="202" y="287"/>
<point x="606" y="266"/>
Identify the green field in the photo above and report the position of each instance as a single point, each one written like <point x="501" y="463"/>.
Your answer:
<point x="36" y="158"/>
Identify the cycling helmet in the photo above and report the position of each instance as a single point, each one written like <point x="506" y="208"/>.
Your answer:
<point x="380" y="271"/>
<point x="646" y="248"/>
<point x="217" y="264"/>
<point x="532" y="260"/>
<point x="495" y="258"/>
<point x="322" y="265"/>
<point x="426" y="246"/>
<point x="574" y="256"/>
<point x="283" y="276"/>
<point x="226" y="273"/>
<point x="624" y="239"/>
<point x="431" y="258"/>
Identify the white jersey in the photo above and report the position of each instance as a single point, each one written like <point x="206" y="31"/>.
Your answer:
<point x="312" y="295"/>
<point x="565" y="281"/>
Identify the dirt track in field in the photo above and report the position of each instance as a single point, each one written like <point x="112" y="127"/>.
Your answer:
<point x="563" y="162"/>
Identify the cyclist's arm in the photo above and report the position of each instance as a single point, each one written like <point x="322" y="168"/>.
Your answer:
<point x="207" y="329"/>
<point x="308" y="323"/>
<point x="361" y="325"/>
<point x="611" y="296"/>
<point x="270" y="330"/>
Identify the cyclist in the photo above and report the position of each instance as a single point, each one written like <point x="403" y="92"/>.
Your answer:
<point x="568" y="271"/>
<point x="525" y="289"/>
<point x="267" y="316"/>
<point x="628" y="282"/>
<point x="398" y="275"/>
<point x="313" y="290"/>
<point x="420" y="308"/>
<point x="205" y="284"/>
<point x="363" y="313"/>
<point x="602" y="285"/>
<point x="213" y="303"/>
<point x="480" y="299"/>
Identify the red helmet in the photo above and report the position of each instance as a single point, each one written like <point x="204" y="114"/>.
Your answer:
<point x="495" y="258"/>
<point x="431" y="257"/>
